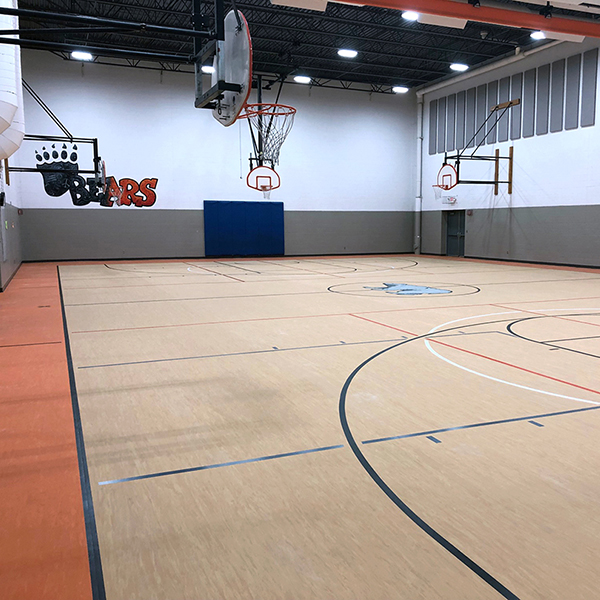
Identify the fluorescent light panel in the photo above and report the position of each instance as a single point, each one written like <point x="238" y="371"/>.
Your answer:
<point x="399" y="89"/>
<point x="80" y="55"/>
<point x="459" y="67"/>
<point x="302" y="79"/>
<point x="347" y="53"/>
<point x="410" y="15"/>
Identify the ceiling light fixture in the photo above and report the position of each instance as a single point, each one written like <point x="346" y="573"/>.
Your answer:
<point x="208" y="69"/>
<point x="538" y="35"/>
<point x="459" y="67"/>
<point x="80" y="55"/>
<point x="410" y="15"/>
<point x="347" y="53"/>
<point x="399" y="89"/>
<point x="302" y="79"/>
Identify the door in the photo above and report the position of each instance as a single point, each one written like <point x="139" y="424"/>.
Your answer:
<point x="455" y="233"/>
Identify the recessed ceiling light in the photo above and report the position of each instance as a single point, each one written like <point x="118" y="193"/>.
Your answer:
<point x="79" y="55"/>
<point x="302" y="79"/>
<point x="208" y="69"/>
<point x="399" y="89"/>
<point x="459" y="67"/>
<point x="410" y="15"/>
<point x="538" y="35"/>
<point x="346" y="53"/>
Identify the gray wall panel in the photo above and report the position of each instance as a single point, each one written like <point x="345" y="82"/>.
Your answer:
<point x="504" y="96"/>
<point x="528" y="103"/>
<point x="451" y="123"/>
<point x="460" y="120"/>
<point x="543" y="100"/>
<point x="572" y="94"/>
<point x="70" y="234"/>
<point x="10" y="244"/>
<point x="557" y="96"/>
<point x="492" y="100"/>
<point x="335" y="232"/>
<point x="470" y="117"/>
<point x="481" y="112"/>
<point x="59" y="234"/>
<point x="432" y="227"/>
<point x="441" y="125"/>
<point x="588" y="87"/>
<point x="560" y="234"/>
<point x="516" y="92"/>
<point x="432" y="126"/>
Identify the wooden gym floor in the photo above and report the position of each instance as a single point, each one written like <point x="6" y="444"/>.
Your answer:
<point x="301" y="429"/>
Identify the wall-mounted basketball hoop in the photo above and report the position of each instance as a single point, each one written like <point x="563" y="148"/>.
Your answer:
<point x="263" y="179"/>
<point x="449" y="175"/>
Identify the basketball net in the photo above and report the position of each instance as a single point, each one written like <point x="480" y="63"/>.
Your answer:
<point x="272" y="122"/>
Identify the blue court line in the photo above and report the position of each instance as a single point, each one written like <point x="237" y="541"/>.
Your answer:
<point x="434" y="439"/>
<point x="158" y="360"/>
<point x="535" y="423"/>
<point x="485" y="424"/>
<point x="219" y="465"/>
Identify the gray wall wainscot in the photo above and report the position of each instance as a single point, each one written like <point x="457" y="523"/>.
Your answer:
<point x="559" y="234"/>
<point x="10" y="244"/>
<point x="95" y="234"/>
<point x="566" y="235"/>
<point x="432" y="232"/>
<point x="341" y="232"/>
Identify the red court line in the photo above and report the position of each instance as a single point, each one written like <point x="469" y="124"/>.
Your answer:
<point x="496" y="360"/>
<point x="367" y="312"/>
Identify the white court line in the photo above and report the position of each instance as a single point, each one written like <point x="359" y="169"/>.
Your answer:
<point x="523" y="387"/>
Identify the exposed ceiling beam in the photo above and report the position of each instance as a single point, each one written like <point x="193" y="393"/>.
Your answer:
<point x="497" y="14"/>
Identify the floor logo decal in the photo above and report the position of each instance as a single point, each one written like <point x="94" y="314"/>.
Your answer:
<point x="407" y="289"/>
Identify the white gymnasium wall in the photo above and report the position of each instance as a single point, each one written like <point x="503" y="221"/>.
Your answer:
<point x="555" y="177"/>
<point x="348" y="150"/>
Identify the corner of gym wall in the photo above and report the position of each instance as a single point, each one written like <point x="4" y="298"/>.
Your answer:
<point x="10" y="230"/>
<point x="348" y="167"/>
<point x="551" y="215"/>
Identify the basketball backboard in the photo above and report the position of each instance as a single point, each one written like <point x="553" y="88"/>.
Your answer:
<point x="263" y="179"/>
<point x="231" y="78"/>
<point x="447" y="177"/>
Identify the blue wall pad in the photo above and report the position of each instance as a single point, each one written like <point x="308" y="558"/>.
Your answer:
<point x="243" y="228"/>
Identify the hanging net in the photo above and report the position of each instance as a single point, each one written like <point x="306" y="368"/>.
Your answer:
<point x="271" y="123"/>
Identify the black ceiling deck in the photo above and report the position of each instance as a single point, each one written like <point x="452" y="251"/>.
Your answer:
<point x="286" y="41"/>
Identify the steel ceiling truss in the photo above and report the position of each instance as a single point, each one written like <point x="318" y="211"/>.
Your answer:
<point x="286" y="41"/>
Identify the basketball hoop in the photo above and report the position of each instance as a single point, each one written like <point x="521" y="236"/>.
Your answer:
<point x="272" y="122"/>
<point x="263" y="179"/>
<point x="447" y="179"/>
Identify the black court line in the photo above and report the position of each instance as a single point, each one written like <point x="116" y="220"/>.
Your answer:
<point x="482" y="424"/>
<point x="575" y="339"/>
<point x="536" y="424"/>
<point x="219" y="465"/>
<point x="387" y="490"/>
<point x="152" y="273"/>
<point x="510" y="329"/>
<point x="247" y="353"/>
<point x="193" y="299"/>
<point x="91" y="532"/>
<point x="32" y="344"/>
